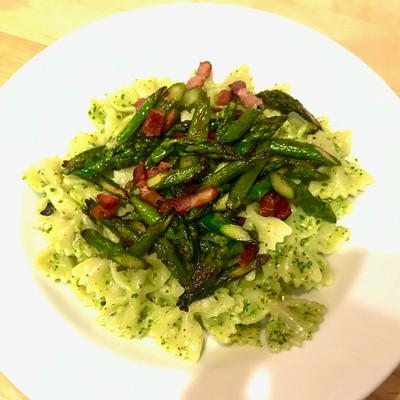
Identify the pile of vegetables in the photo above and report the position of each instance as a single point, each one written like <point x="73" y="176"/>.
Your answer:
<point x="194" y="176"/>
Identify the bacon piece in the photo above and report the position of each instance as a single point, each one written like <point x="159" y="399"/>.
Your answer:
<point x="247" y="98"/>
<point x="273" y="204"/>
<point x="282" y="208"/>
<point x="249" y="254"/>
<point x="195" y="81"/>
<point x="204" y="69"/>
<point x="140" y="174"/>
<point x="177" y="134"/>
<point x="224" y="97"/>
<point x="203" y="72"/>
<point x="170" y="119"/>
<point x="139" y="102"/>
<point x="239" y="220"/>
<point x="106" y="207"/>
<point x="267" y="204"/>
<point x="212" y="135"/>
<point x="154" y="123"/>
<point x="150" y="196"/>
<point x="161" y="167"/>
<point x="183" y="204"/>
<point x="237" y="85"/>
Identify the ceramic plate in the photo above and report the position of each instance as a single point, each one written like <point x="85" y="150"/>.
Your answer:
<point x="51" y="348"/>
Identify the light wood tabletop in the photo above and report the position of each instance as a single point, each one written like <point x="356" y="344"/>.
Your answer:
<point x="368" y="28"/>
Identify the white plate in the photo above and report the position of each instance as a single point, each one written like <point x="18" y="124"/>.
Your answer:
<point x="51" y="349"/>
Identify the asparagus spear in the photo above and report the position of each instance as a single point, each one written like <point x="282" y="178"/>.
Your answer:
<point x="259" y="189"/>
<point x="199" y="127"/>
<point x="240" y="126"/>
<point x="187" y="242"/>
<point x="227" y="173"/>
<point x="227" y="276"/>
<point x="298" y="150"/>
<point x="115" y="155"/>
<point x="154" y="231"/>
<point x="305" y="173"/>
<point x="149" y="214"/>
<point x="242" y="186"/>
<point x="168" y="254"/>
<point x="206" y="271"/>
<point x="172" y="97"/>
<point x="189" y="98"/>
<point x="109" y="185"/>
<point x="132" y="128"/>
<point x="262" y="129"/>
<point x="217" y="223"/>
<point x="225" y="118"/>
<point x="285" y="103"/>
<point x="302" y="197"/>
<point x="120" y="227"/>
<point x="111" y="250"/>
<point x="77" y="162"/>
<point x="177" y="176"/>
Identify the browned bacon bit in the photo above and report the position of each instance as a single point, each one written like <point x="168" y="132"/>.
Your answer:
<point x="273" y="204"/>
<point x="161" y="167"/>
<point x="204" y="69"/>
<point x="246" y="97"/>
<point x="150" y="196"/>
<point x="239" y="220"/>
<point x="237" y="85"/>
<point x="140" y="174"/>
<point x="154" y="123"/>
<point x="212" y="135"/>
<point x="249" y="254"/>
<point x="224" y="97"/>
<point x="177" y="134"/>
<point x="183" y="204"/>
<point x="282" y="208"/>
<point x="191" y="187"/>
<point x="107" y="206"/>
<point x="170" y="119"/>
<point x="139" y="102"/>
<point x="203" y="72"/>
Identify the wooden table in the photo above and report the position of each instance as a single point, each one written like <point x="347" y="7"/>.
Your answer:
<point x="368" y="28"/>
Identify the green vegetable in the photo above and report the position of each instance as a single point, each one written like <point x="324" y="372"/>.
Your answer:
<point x="132" y="128"/>
<point x="298" y="150"/>
<point x="227" y="276"/>
<point x="217" y="223"/>
<point x="262" y="129"/>
<point x="285" y="103"/>
<point x="302" y="197"/>
<point x="167" y="252"/>
<point x="199" y="127"/>
<point x="240" y="189"/>
<point x="259" y="189"/>
<point x="305" y="173"/>
<point x="111" y="250"/>
<point x="177" y="176"/>
<point x="125" y="231"/>
<point x="240" y="126"/>
<point x="227" y="173"/>
<point x="153" y="233"/>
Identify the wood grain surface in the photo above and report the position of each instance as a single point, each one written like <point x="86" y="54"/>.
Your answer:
<point x="368" y="28"/>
